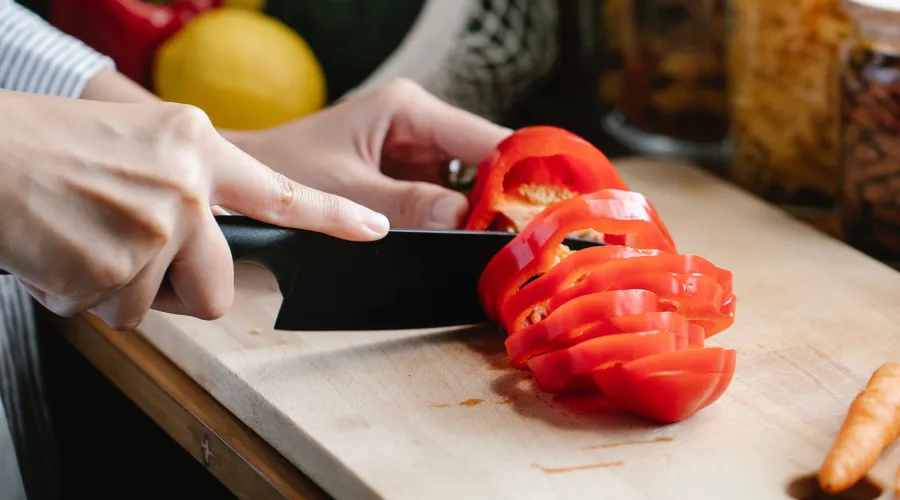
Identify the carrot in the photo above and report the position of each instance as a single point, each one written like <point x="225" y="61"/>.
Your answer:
<point x="871" y="425"/>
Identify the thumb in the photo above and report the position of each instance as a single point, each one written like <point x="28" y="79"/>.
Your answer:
<point x="419" y="205"/>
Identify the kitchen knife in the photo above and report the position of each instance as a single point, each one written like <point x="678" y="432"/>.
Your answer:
<point x="408" y="279"/>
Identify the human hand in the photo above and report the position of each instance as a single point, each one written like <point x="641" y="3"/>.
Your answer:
<point x="386" y="149"/>
<point x="101" y="201"/>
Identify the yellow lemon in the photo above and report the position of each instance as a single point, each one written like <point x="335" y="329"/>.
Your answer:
<point x="245" y="69"/>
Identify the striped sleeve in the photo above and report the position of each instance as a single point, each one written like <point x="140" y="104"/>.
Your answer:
<point x="36" y="57"/>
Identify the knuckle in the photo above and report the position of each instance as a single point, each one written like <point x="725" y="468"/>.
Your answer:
<point x="288" y="193"/>
<point x="185" y="122"/>
<point x="193" y="205"/>
<point x="402" y="85"/>
<point x="110" y="272"/>
<point x="399" y="90"/>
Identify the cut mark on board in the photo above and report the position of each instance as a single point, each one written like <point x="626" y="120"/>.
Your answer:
<point x="560" y="470"/>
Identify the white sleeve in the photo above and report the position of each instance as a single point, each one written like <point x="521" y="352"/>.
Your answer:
<point x="36" y="57"/>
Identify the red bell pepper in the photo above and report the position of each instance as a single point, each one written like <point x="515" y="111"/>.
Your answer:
<point x="628" y="319"/>
<point x="531" y="169"/>
<point x="593" y="312"/>
<point x="668" y="386"/>
<point x="692" y="285"/>
<point x="535" y="250"/>
<point x="128" y="31"/>
<point x="570" y="368"/>
<point x="520" y="307"/>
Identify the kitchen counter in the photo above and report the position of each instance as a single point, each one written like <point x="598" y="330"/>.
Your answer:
<point x="273" y="403"/>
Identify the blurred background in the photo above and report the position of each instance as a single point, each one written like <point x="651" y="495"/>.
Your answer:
<point x="750" y="89"/>
<point x="742" y="87"/>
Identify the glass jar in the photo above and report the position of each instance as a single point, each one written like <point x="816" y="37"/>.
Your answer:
<point x="782" y="66"/>
<point x="870" y="129"/>
<point x="664" y="75"/>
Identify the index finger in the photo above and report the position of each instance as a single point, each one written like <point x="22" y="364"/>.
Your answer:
<point x="243" y="184"/>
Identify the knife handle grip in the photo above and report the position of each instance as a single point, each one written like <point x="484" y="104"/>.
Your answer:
<point x="250" y="240"/>
<point x="261" y="243"/>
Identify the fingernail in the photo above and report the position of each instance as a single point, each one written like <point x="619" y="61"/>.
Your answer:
<point x="375" y="222"/>
<point x="446" y="211"/>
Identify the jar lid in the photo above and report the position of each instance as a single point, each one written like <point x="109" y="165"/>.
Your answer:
<point x="891" y="5"/>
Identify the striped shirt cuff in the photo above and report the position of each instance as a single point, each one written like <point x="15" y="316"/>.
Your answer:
<point x="36" y="57"/>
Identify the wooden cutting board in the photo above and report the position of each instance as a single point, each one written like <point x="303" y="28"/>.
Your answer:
<point x="439" y="415"/>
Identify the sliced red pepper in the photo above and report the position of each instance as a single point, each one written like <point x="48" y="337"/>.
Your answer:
<point x="559" y="161"/>
<point x="594" y="313"/>
<point x="573" y="267"/>
<point x="570" y="368"/>
<point x="682" y="264"/>
<point x="689" y="284"/>
<point x="686" y="282"/>
<point x="668" y="320"/>
<point x="659" y="291"/>
<point x="534" y="250"/>
<point x="630" y="318"/>
<point x="669" y="386"/>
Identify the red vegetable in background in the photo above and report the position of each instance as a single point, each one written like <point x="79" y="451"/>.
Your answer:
<point x="628" y="319"/>
<point x="128" y="31"/>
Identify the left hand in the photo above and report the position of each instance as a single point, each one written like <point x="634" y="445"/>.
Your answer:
<point x="386" y="149"/>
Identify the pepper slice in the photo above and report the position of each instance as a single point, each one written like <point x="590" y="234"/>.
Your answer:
<point x="690" y="284"/>
<point x="594" y="313"/>
<point x="532" y="168"/>
<point x="570" y="369"/>
<point x="612" y="272"/>
<point x="572" y="268"/>
<point x="534" y="250"/>
<point x="657" y="291"/>
<point x="668" y="386"/>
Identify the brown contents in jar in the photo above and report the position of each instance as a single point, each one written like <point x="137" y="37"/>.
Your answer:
<point x="665" y="66"/>
<point x="870" y="140"/>
<point x="783" y="57"/>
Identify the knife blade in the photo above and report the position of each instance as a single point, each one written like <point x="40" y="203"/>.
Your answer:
<point x="408" y="279"/>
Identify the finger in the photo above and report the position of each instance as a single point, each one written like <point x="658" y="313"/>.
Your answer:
<point x="419" y="205"/>
<point x="125" y="310"/>
<point x="38" y="294"/>
<point x="201" y="275"/>
<point x="455" y="131"/>
<point x="167" y="301"/>
<point x="249" y="187"/>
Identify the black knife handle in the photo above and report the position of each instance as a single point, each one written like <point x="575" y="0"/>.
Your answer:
<point x="250" y="240"/>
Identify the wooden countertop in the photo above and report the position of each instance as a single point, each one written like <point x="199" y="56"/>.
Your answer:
<point x="407" y="414"/>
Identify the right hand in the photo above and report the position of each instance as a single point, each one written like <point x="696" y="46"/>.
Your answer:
<point x="100" y="201"/>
